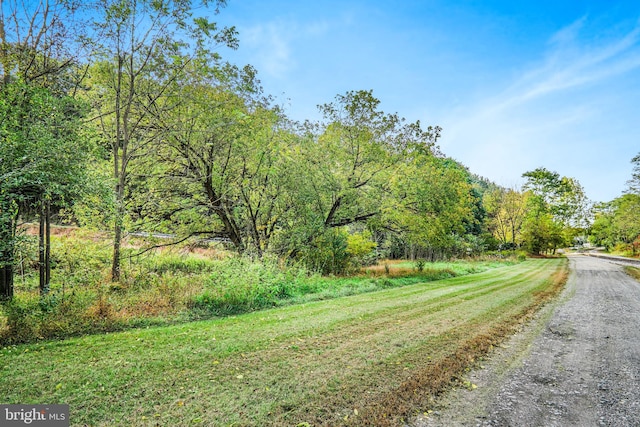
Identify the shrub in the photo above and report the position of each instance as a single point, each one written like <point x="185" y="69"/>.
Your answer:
<point x="361" y="249"/>
<point x="31" y="317"/>
<point x="338" y="252"/>
<point x="240" y="285"/>
<point x="178" y="264"/>
<point x="328" y="253"/>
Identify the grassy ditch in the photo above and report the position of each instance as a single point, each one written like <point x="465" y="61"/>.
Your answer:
<point x="368" y="359"/>
<point x="185" y="284"/>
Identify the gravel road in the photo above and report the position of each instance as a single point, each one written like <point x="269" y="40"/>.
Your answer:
<point x="576" y="364"/>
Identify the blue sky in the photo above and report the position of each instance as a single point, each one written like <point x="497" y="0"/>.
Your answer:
<point x="515" y="85"/>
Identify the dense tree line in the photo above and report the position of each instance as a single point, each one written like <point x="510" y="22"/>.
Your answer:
<point x="125" y="115"/>
<point x="617" y="223"/>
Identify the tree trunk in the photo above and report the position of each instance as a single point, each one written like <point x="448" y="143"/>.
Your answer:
<point x="44" y="248"/>
<point x="7" y="237"/>
<point x="41" y="267"/>
<point x="6" y="280"/>
<point x="47" y="248"/>
<point x="120" y="175"/>
<point x="117" y="241"/>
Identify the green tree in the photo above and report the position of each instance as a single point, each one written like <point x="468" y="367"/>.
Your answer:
<point x="38" y="121"/>
<point x="634" y="182"/>
<point x="42" y="161"/>
<point x="617" y="224"/>
<point x="602" y="231"/>
<point x="507" y="208"/>
<point x="558" y="210"/>
<point x="349" y="161"/>
<point x="434" y="204"/>
<point x="143" y="46"/>
<point x="221" y="166"/>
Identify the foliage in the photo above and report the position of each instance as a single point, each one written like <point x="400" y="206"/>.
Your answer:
<point x="506" y="209"/>
<point x="617" y="224"/>
<point x="557" y="211"/>
<point x="327" y="253"/>
<point x="43" y="159"/>
<point x="161" y="288"/>
<point x="361" y="249"/>
<point x="140" y="48"/>
<point x="434" y="204"/>
<point x="634" y="182"/>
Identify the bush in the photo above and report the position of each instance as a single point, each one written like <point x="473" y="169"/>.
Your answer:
<point x="178" y="264"/>
<point x="240" y="284"/>
<point x="338" y="252"/>
<point x="361" y="249"/>
<point x="31" y="317"/>
<point x="328" y="253"/>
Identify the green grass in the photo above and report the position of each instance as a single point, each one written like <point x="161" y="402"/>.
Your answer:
<point x="633" y="272"/>
<point x="367" y="359"/>
<point x="172" y="287"/>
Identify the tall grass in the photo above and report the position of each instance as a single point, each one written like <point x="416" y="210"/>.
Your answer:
<point x="177" y="286"/>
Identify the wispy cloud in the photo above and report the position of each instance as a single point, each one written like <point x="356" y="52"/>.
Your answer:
<point x="542" y="117"/>
<point x="274" y="43"/>
<point x="572" y="63"/>
<point x="272" y="46"/>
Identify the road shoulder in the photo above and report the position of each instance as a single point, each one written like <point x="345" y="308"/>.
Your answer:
<point x="467" y="404"/>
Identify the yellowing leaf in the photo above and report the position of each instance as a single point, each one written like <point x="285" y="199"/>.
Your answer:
<point x="240" y="376"/>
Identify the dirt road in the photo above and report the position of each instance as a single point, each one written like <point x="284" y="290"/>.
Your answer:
<point x="577" y="364"/>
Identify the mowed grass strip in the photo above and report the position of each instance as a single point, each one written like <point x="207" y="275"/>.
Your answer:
<point x="368" y="359"/>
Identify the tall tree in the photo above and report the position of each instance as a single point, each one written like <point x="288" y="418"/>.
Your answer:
<point x="634" y="182"/>
<point x="558" y="210"/>
<point x="222" y="161"/>
<point x="507" y="209"/>
<point x="143" y="47"/>
<point x="354" y="155"/>
<point x="434" y="204"/>
<point x="42" y="162"/>
<point x="38" y="62"/>
<point x="39" y="43"/>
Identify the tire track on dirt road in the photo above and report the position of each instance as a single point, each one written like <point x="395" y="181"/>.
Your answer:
<point x="577" y="364"/>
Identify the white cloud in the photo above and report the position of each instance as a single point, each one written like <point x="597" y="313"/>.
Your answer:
<point x="545" y="115"/>
<point x="273" y="44"/>
<point x="569" y="65"/>
<point x="272" y="48"/>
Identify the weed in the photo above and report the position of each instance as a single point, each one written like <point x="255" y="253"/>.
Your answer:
<point x="633" y="272"/>
<point x="163" y="287"/>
